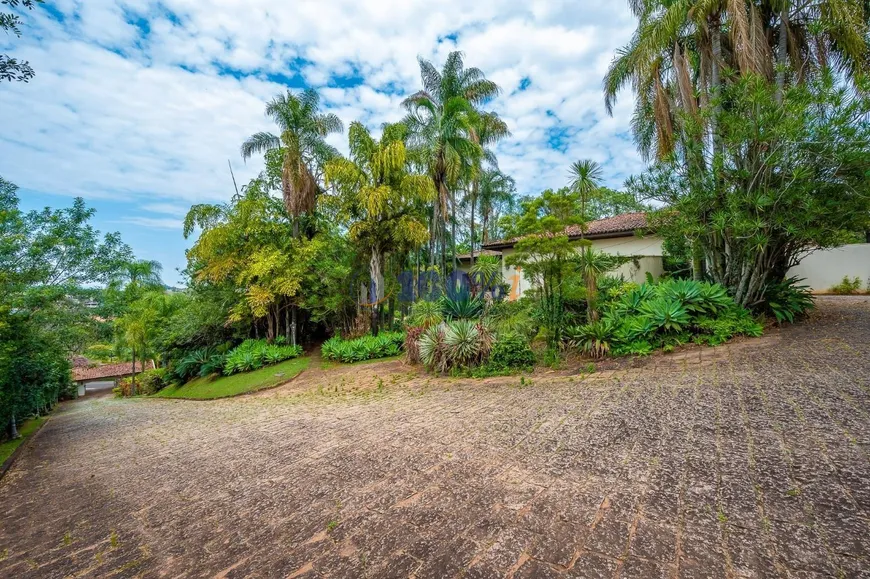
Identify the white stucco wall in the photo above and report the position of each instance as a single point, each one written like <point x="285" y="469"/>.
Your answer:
<point x="646" y="250"/>
<point x="824" y="269"/>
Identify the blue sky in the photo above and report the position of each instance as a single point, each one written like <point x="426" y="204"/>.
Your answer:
<point x="137" y="105"/>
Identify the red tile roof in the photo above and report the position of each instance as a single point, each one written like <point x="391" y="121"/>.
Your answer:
<point x="623" y="225"/>
<point x="478" y="253"/>
<point x="108" y="371"/>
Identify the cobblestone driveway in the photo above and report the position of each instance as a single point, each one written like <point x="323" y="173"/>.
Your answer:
<point x="749" y="460"/>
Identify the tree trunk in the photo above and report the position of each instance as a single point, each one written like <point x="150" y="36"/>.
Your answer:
<point x="375" y="268"/>
<point x="133" y="377"/>
<point x="13" y="428"/>
<point x="697" y="261"/>
<point x="473" y="204"/>
<point x="715" y="80"/>
<point x="782" y="52"/>
<point x="453" y="228"/>
<point x="293" y="315"/>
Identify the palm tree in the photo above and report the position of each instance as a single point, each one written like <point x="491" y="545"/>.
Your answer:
<point x="303" y="152"/>
<point x="488" y="130"/>
<point x="302" y="147"/>
<point x="377" y="196"/>
<point x="442" y="132"/>
<point x="495" y="190"/>
<point x="586" y="180"/>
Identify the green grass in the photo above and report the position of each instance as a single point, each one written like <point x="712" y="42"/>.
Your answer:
<point x="25" y="430"/>
<point x="224" y="386"/>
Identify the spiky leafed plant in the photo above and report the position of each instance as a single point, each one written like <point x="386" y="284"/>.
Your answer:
<point x="301" y="144"/>
<point x="441" y="119"/>
<point x="376" y="196"/>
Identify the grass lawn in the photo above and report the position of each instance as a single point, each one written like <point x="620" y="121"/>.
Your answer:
<point x="25" y="430"/>
<point x="210" y="388"/>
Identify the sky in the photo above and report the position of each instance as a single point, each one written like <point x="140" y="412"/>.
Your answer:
<point x="138" y="105"/>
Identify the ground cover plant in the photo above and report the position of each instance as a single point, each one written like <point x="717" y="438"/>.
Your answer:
<point x="384" y="345"/>
<point x="211" y="387"/>
<point x="254" y="354"/>
<point x="663" y="315"/>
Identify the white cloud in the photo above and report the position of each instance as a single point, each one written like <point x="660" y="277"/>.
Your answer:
<point x="115" y="112"/>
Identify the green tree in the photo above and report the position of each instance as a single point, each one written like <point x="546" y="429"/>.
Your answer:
<point x="488" y="129"/>
<point x="377" y="196"/>
<point x="300" y="150"/>
<point x="792" y="178"/>
<point x="10" y="68"/>
<point x="441" y="122"/>
<point x="301" y="147"/>
<point x="47" y="260"/>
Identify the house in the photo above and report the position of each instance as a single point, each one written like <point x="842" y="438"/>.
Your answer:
<point x="626" y="235"/>
<point x="630" y="235"/>
<point x="82" y="375"/>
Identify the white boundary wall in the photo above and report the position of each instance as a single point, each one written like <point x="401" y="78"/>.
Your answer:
<point x="824" y="269"/>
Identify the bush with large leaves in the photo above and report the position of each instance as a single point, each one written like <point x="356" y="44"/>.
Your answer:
<point x="664" y="315"/>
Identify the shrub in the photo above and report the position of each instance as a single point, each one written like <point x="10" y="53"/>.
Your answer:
<point x="463" y="308"/>
<point x="253" y="354"/>
<point x="455" y="344"/>
<point x="147" y="382"/>
<point x="200" y="362"/>
<point x="511" y="351"/>
<point x="425" y="314"/>
<point x="514" y="317"/>
<point x="386" y="344"/>
<point x="847" y="286"/>
<point x="787" y="300"/>
<point x="664" y="315"/>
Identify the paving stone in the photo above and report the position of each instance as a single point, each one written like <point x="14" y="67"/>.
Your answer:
<point x="751" y="460"/>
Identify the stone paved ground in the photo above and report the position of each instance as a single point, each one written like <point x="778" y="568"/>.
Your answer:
<point x="749" y="460"/>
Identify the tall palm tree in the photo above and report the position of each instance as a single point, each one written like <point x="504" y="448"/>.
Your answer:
<point x="303" y="153"/>
<point x="489" y="128"/>
<point x="301" y="145"/>
<point x="675" y="59"/>
<point x="496" y="190"/>
<point x="586" y="180"/>
<point x="377" y="196"/>
<point x="441" y="130"/>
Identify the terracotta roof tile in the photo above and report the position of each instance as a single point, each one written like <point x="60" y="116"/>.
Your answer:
<point x="108" y="370"/>
<point x="626" y="223"/>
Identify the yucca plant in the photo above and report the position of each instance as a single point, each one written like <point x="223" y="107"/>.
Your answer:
<point x="463" y="308"/>
<point x="464" y="343"/>
<point x="432" y="349"/>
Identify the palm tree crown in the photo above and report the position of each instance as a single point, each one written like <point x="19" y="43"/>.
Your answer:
<point x="301" y="144"/>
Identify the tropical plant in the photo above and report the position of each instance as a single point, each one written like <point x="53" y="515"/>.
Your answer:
<point x="377" y="197"/>
<point x="593" y="338"/>
<point x="788" y="300"/>
<point x="443" y="120"/>
<point x="464" y="307"/>
<point x="433" y="350"/>
<point x="425" y="313"/>
<point x="301" y="146"/>
<point x="253" y="354"/>
<point x="384" y="345"/>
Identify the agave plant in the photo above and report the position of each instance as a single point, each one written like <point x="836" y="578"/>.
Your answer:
<point x="666" y="314"/>
<point x="594" y="339"/>
<point x="463" y="308"/>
